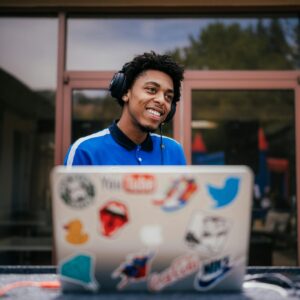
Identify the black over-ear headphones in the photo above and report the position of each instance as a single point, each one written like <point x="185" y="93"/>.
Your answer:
<point x="117" y="89"/>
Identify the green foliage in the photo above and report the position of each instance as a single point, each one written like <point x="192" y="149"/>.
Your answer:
<point x="296" y="45"/>
<point x="233" y="47"/>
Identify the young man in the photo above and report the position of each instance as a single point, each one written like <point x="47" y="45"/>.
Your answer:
<point x="147" y="88"/>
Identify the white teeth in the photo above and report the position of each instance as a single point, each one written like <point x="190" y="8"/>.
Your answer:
<point x="154" y="112"/>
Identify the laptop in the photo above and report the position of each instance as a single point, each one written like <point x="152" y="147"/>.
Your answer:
<point x="156" y="229"/>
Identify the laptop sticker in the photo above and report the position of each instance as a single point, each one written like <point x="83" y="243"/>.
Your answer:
<point x="136" y="268"/>
<point x="75" y="233"/>
<point x="113" y="217"/>
<point x="180" y="268"/>
<point x="177" y="195"/>
<point x="79" y="269"/>
<point x="211" y="273"/>
<point x="139" y="183"/>
<point x="110" y="183"/>
<point x="77" y="191"/>
<point x="151" y="235"/>
<point x="225" y="194"/>
<point x="207" y="234"/>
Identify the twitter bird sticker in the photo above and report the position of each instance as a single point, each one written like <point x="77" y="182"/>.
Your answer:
<point x="225" y="194"/>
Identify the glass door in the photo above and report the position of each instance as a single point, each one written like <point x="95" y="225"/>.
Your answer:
<point x="254" y="128"/>
<point x="87" y="107"/>
<point x="92" y="111"/>
<point x="251" y="120"/>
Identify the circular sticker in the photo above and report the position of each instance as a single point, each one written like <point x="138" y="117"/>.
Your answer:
<point x="77" y="191"/>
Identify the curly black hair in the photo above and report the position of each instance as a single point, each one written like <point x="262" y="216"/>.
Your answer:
<point x="153" y="61"/>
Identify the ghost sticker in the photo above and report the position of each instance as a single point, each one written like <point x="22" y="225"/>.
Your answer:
<point x="225" y="194"/>
<point x="113" y="217"/>
<point x="177" y="195"/>
<point x="77" y="191"/>
<point x="207" y="234"/>
<point x="135" y="268"/>
<point x="79" y="270"/>
<point x="75" y="234"/>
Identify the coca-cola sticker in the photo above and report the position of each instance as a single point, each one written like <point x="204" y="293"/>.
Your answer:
<point x="179" y="269"/>
<point x="139" y="183"/>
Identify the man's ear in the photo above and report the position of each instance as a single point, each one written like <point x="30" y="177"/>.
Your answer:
<point x="125" y="97"/>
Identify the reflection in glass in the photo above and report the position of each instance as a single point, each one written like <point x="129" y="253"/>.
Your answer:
<point x="94" y="110"/>
<point x="254" y="128"/>
<point x="27" y="108"/>
<point x="216" y="43"/>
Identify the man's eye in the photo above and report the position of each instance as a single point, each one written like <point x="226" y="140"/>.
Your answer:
<point x="169" y="98"/>
<point x="151" y="90"/>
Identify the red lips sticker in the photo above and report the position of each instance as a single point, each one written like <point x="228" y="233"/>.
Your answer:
<point x="139" y="183"/>
<point x="113" y="217"/>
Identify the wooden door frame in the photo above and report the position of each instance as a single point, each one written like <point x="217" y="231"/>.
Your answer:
<point x="241" y="80"/>
<point x="235" y="81"/>
<point x="79" y="81"/>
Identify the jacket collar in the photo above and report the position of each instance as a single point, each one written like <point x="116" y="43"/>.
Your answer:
<point x="123" y="140"/>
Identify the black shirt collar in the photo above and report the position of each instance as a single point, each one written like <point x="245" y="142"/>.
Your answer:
<point x="123" y="140"/>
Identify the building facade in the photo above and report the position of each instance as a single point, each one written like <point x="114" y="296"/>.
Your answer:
<point x="240" y="102"/>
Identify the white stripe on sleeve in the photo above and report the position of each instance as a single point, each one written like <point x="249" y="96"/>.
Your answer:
<point x="79" y="141"/>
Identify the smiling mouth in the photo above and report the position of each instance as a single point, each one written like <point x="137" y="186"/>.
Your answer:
<point x="154" y="113"/>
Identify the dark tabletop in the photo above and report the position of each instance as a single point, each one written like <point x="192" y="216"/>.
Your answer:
<point x="13" y="274"/>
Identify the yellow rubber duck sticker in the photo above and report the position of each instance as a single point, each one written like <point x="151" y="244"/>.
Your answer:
<point x="75" y="234"/>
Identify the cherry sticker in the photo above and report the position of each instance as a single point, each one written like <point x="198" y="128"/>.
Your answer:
<point x="113" y="217"/>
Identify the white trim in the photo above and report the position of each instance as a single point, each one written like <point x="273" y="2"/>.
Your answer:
<point x="165" y="137"/>
<point x="81" y="140"/>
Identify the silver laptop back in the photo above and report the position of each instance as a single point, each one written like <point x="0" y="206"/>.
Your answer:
<point x="152" y="228"/>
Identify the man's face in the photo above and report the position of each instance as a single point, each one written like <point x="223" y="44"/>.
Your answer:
<point x="148" y="102"/>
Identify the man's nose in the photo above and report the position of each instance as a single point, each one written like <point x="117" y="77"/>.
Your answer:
<point x="160" y="97"/>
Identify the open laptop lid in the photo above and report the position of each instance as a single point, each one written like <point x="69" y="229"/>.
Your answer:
<point x="188" y="225"/>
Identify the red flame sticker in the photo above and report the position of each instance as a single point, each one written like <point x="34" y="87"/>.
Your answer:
<point x="139" y="183"/>
<point x="113" y="216"/>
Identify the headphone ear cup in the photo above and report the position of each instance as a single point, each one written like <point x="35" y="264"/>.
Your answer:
<point x="117" y="85"/>
<point x="171" y="113"/>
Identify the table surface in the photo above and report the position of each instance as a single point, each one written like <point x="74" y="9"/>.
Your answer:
<point x="13" y="274"/>
<point x="18" y="244"/>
